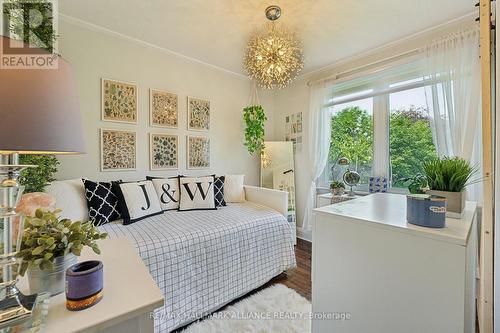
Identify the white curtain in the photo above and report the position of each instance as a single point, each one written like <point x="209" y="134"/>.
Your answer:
<point x="453" y="64"/>
<point x="318" y="144"/>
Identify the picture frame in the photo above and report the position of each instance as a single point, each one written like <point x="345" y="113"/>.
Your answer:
<point x="156" y="159"/>
<point x="198" y="114"/>
<point x="157" y="99"/>
<point x="198" y="153"/>
<point x="118" y="153"/>
<point x="112" y="106"/>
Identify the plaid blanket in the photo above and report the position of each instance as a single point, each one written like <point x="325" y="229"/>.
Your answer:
<point x="201" y="260"/>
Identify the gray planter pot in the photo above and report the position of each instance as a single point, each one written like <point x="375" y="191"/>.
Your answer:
<point x="337" y="191"/>
<point x="54" y="280"/>
<point x="455" y="201"/>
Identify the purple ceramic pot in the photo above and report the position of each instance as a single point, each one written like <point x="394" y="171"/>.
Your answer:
<point x="84" y="284"/>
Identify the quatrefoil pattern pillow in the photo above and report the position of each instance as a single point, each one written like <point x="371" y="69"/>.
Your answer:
<point x="102" y="202"/>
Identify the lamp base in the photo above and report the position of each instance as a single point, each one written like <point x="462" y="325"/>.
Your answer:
<point x="16" y="308"/>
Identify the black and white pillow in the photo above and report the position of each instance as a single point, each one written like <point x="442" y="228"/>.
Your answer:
<point x="102" y="202"/>
<point x="167" y="190"/>
<point x="219" y="191"/>
<point x="196" y="193"/>
<point x="137" y="200"/>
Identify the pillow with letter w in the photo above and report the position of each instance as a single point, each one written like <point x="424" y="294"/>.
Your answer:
<point x="196" y="193"/>
<point x="168" y="192"/>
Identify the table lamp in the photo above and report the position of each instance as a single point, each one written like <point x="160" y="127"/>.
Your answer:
<point x="39" y="114"/>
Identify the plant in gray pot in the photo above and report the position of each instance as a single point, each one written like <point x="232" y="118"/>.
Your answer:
<point x="337" y="188"/>
<point x="448" y="177"/>
<point x="50" y="245"/>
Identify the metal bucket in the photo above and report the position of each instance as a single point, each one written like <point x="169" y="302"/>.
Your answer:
<point x="54" y="280"/>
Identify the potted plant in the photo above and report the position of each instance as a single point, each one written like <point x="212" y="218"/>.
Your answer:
<point x="337" y="188"/>
<point x="50" y="245"/>
<point x="416" y="184"/>
<point x="448" y="177"/>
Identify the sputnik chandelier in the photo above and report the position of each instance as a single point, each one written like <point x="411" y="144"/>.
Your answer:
<point x="274" y="56"/>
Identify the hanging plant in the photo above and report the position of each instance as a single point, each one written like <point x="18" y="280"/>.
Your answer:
<point x="255" y="118"/>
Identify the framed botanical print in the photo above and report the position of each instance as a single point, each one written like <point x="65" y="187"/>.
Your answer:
<point x="198" y="114"/>
<point x="198" y="152"/>
<point x="118" y="150"/>
<point x="164" y="151"/>
<point x="163" y="109"/>
<point x="119" y="101"/>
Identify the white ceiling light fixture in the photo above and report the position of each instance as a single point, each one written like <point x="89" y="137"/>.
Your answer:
<point x="274" y="56"/>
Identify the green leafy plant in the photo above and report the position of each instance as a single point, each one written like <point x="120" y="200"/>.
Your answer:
<point x="255" y="118"/>
<point x="415" y="184"/>
<point x="450" y="174"/>
<point x="47" y="236"/>
<point x="336" y="184"/>
<point x="36" y="179"/>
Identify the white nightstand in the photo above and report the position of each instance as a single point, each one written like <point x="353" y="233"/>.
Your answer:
<point x="130" y="295"/>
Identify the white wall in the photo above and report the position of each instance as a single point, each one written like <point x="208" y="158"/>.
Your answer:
<point x="94" y="54"/>
<point x="295" y="98"/>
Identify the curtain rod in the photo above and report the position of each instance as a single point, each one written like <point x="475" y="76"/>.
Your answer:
<point x="361" y="68"/>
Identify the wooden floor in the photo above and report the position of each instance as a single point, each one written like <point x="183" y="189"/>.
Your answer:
<point x="300" y="277"/>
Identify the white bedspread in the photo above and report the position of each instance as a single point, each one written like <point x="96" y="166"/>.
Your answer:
<point x="202" y="260"/>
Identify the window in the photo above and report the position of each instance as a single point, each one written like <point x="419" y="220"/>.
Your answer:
<point x="410" y="135"/>
<point x="381" y="123"/>
<point x="352" y="137"/>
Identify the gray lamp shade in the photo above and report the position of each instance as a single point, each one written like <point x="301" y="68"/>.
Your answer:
<point x="39" y="111"/>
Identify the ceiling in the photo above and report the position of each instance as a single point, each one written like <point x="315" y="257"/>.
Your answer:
<point x="216" y="31"/>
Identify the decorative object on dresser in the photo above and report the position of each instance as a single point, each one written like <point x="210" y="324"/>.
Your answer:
<point x="426" y="210"/>
<point x="337" y="188"/>
<point x="84" y="285"/>
<point x="377" y="184"/>
<point x="167" y="190"/>
<point x="402" y="277"/>
<point x="163" y="109"/>
<point x="416" y="184"/>
<point x="119" y="101"/>
<point x="50" y="245"/>
<point x="34" y="105"/>
<point x="136" y="200"/>
<point x="196" y="193"/>
<point x="351" y="178"/>
<point x="118" y="150"/>
<point x="448" y="177"/>
<point x="255" y="119"/>
<point x="198" y="152"/>
<point x="164" y="151"/>
<point x="102" y="202"/>
<point x="198" y="118"/>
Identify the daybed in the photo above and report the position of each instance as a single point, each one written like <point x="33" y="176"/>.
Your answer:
<point x="202" y="260"/>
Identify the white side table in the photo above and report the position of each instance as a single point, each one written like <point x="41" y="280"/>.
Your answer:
<point x="130" y="295"/>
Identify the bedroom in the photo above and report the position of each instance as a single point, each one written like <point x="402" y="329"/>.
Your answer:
<point x="220" y="171"/>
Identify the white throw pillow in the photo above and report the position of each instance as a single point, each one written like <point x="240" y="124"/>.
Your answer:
<point x="233" y="188"/>
<point x="137" y="200"/>
<point x="70" y="197"/>
<point x="196" y="193"/>
<point x="168" y="192"/>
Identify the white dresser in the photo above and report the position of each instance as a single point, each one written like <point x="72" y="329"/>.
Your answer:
<point x="381" y="274"/>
